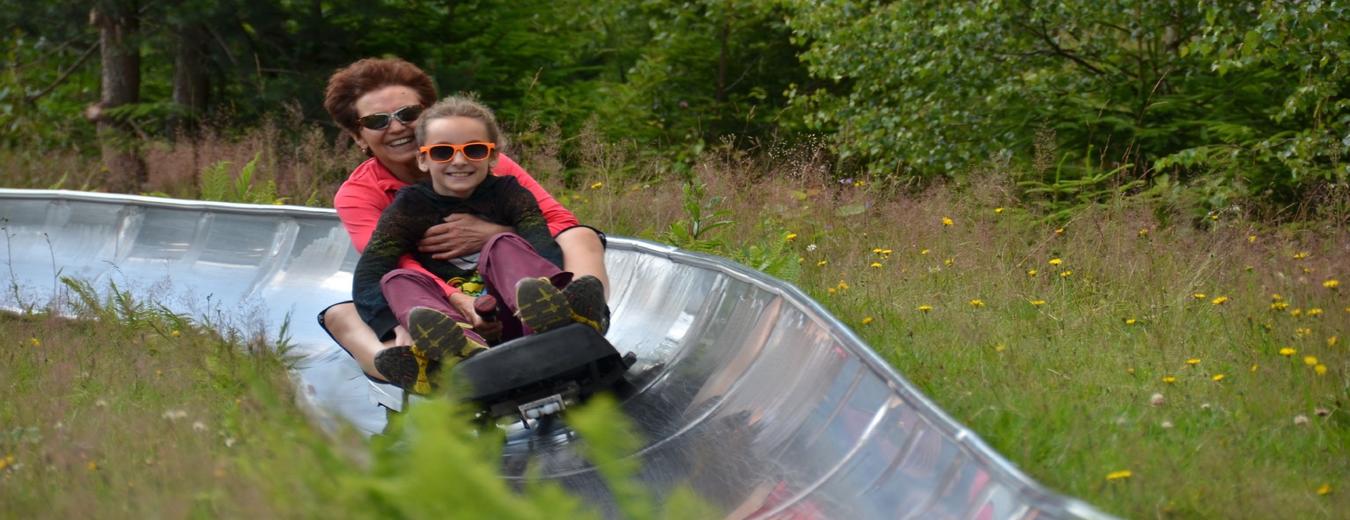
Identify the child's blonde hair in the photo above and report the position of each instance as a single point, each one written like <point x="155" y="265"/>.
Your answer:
<point x="461" y="106"/>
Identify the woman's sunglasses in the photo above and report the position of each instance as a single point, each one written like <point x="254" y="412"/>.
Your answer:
<point x="380" y="121"/>
<point x="475" y="151"/>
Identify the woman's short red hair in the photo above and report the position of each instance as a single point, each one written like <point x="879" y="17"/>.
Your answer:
<point x="349" y="83"/>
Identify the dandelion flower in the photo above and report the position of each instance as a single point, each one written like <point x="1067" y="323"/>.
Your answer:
<point x="924" y="308"/>
<point x="1295" y="312"/>
<point x="1056" y="261"/>
<point x="1217" y="377"/>
<point x="1307" y="270"/>
<point x="175" y="333"/>
<point x="1315" y="311"/>
<point x="876" y="250"/>
<point x="947" y="221"/>
<point x="1059" y="231"/>
<point x="1169" y="379"/>
<point x="1302" y="332"/>
<point x="867" y="320"/>
<point x="1331" y="341"/>
<point x="1275" y="297"/>
<point x="1143" y="232"/>
<point x="1300" y="255"/>
<point x="1119" y="475"/>
<point x="1324" y="490"/>
<point x="923" y="251"/>
<point x="1198" y="296"/>
<point x="1287" y="351"/>
<point x="822" y="263"/>
<point x="35" y="342"/>
<point x="999" y="347"/>
<point x="830" y="290"/>
<point x="998" y="211"/>
<point x="886" y="252"/>
<point x="1310" y="360"/>
<point x="1331" y="283"/>
<point x="1251" y="239"/>
<point x="1193" y="361"/>
<point x="875" y="265"/>
<point x="790" y="237"/>
<point x="1255" y="367"/>
<point x="1131" y="321"/>
<point x="977" y="303"/>
<point x="1065" y="274"/>
<point x="1032" y="273"/>
<point x="1320" y="369"/>
<point x="597" y="185"/>
<point x="1279" y="306"/>
<point x="1219" y="300"/>
<point x="843" y="286"/>
<point x="1037" y="303"/>
<point x="949" y="262"/>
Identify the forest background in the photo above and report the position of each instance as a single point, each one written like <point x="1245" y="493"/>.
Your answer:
<point x="1207" y="105"/>
<point x="1108" y="236"/>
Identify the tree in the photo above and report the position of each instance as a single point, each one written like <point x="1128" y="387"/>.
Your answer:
<point x="117" y="23"/>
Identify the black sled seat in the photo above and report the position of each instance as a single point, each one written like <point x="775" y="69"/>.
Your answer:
<point x="541" y="374"/>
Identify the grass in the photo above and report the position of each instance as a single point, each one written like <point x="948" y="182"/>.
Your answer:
<point x="1099" y="376"/>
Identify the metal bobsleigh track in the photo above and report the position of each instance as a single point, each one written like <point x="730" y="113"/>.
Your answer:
<point x="748" y="390"/>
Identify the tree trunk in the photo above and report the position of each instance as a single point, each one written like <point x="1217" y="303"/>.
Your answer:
<point x="190" y="81"/>
<point x="117" y="23"/>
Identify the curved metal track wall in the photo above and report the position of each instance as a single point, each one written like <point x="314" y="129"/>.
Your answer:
<point x="749" y="390"/>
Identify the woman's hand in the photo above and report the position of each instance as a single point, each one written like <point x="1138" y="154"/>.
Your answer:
<point x="461" y="234"/>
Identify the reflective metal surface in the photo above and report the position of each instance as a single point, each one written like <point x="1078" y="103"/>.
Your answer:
<point x="747" y="390"/>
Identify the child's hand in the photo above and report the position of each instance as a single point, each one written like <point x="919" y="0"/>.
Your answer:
<point x="461" y="234"/>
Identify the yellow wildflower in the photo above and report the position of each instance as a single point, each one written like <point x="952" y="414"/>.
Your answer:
<point x="1278" y="306"/>
<point x="923" y="251"/>
<point x="948" y="262"/>
<point x="1169" y="379"/>
<point x="1193" y="361"/>
<point x="1324" y="490"/>
<point x="1307" y="270"/>
<point x="1032" y="273"/>
<point x="1037" y="303"/>
<point x="1217" y="378"/>
<point x="1275" y="297"/>
<point x="843" y="286"/>
<point x="6" y="461"/>
<point x="924" y="308"/>
<point x="1219" y="300"/>
<point x="1287" y="351"/>
<point x="790" y="237"/>
<point x="1251" y="239"/>
<point x="998" y="211"/>
<point x="1300" y="255"/>
<point x="1131" y="321"/>
<point x="1331" y="341"/>
<point x="1310" y="360"/>
<point x="875" y="265"/>
<point x="1059" y="231"/>
<point x="867" y="320"/>
<point x="1255" y="367"/>
<point x="886" y="252"/>
<point x="1118" y="475"/>
<point x="822" y="263"/>
<point x="1296" y="312"/>
<point x="947" y="221"/>
<point x="831" y="290"/>
<point x="597" y="185"/>
<point x="1320" y="369"/>
<point x="91" y="466"/>
<point x="977" y="303"/>
<point x="175" y="333"/>
<point x="1143" y="232"/>
<point x="1315" y="311"/>
<point x="1198" y="296"/>
<point x="1302" y="332"/>
<point x="35" y="342"/>
<point x="1056" y="261"/>
<point x="876" y="250"/>
<point x="1331" y="283"/>
<point x="1065" y="274"/>
<point x="999" y="347"/>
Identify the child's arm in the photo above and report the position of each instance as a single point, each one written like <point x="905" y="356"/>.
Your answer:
<point x="399" y="227"/>
<point x="523" y="211"/>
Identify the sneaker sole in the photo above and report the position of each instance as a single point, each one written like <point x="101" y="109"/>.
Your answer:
<point x="586" y="297"/>
<point x="405" y="370"/>
<point x="541" y="306"/>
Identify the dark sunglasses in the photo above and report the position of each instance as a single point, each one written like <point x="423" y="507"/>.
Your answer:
<point x="475" y="151"/>
<point x="380" y="121"/>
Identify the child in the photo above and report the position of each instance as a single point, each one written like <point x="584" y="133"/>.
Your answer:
<point x="458" y="140"/>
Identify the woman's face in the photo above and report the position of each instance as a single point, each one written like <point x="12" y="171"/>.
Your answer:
<point x="459" y="176"/>
<point x="394" y="145"/>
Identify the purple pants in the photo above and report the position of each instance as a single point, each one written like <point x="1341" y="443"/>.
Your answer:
<point x="506" y="258"/>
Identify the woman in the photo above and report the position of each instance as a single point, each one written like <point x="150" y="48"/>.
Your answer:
<point x="376" y="100"/>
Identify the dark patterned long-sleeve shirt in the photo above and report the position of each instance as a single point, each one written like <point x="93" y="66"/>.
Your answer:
<point x="500" y="200"/>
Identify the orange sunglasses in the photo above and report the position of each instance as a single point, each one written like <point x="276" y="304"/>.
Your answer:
<point x="475" y="151"/>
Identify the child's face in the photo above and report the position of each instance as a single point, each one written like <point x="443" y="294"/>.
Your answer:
<point x="459" y="176"/>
